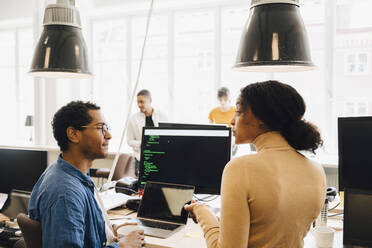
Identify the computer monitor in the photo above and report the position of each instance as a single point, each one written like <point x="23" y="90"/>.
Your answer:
<point x="355" y="152"/>
<point x="185" y="156"/>
<point x="20" y="169"/>
<point x="358" y="218"/>
<point x="193" y="125"/>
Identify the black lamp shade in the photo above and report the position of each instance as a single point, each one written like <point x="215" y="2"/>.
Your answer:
<point x="61" y="52"/>
<point x="274" y="39"/>
<point x="29" y="122"/>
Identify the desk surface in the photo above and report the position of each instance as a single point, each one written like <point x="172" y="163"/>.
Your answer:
<point x="192" y="235"/>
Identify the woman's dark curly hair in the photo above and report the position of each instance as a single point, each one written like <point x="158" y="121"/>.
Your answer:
<point x="74" y="114"/>
<point x="282" y="109"/>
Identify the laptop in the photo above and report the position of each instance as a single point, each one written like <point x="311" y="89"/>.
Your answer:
<point x="17" y="202"/>
<point x="161" y="211"/>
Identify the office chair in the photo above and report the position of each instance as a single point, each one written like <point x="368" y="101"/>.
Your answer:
<point x="20" y="244"/>
<point x="122" y="168"/>
<point x="31" y="230"/>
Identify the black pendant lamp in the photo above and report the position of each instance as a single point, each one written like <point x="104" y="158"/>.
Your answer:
<point x="274" y="38"/>
<point x="61" y="51"/>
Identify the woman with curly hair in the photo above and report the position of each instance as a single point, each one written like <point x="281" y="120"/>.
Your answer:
<point x="269" y="199"/>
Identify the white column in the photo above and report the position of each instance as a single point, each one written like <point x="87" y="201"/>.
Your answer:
<point x="329" y="56"/>
<point x="38" y="11"/>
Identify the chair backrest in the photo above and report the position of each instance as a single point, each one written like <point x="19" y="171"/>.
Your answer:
<point x="21" y="243"/>
<point x="122" y="166"/>
<point x="31" y="230"/>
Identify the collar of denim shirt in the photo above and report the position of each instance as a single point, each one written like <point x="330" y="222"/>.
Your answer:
<point x="73" y="171"/>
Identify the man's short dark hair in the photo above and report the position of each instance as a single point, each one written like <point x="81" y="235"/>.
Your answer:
<point x="74" y="114"/>
<point x="223" y="92"/>
<point x="145" y="93"/>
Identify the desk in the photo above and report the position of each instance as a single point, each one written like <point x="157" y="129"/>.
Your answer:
<point x="192" y="235"/>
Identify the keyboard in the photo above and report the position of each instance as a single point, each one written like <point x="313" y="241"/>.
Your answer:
<point x="160" y="225"/>
<point x="111" y="199"/>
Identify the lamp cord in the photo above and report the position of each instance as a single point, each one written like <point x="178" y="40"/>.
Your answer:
<point x="133" y="93"/>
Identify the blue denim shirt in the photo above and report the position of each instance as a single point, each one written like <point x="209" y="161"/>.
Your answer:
<point x="63" y="201"/>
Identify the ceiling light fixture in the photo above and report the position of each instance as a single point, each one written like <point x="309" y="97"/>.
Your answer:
<point x="274" y="38"/>
<point x="61" y="51"/>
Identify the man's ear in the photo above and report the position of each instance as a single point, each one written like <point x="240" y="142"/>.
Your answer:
<point x="73" y="135"/>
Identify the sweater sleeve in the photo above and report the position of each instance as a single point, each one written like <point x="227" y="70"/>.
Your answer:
<point x="233" y="229"/>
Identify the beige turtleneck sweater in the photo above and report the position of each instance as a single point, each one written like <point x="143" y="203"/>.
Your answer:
<point x="269" y="199"/>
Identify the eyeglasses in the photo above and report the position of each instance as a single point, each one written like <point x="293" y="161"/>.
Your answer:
<point x="104" y="128"/>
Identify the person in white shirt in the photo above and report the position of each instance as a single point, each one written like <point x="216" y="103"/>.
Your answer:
<point x="147" y="116"/>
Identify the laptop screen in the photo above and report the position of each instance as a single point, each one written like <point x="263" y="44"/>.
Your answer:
<point x="16" y="203"/>
<point x="165" y="202"/>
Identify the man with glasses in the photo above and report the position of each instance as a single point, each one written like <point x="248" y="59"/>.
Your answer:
<point x="63" y="199"/>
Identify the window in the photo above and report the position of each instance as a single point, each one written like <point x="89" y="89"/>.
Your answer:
<point x="194" y="63"/>
<point x="352" y="78"/>
<point x="356" y="63"/>
<point x="16" y="88"/>
<point x="111" y="88"/>
<point x="155" y="71"/>
<point x="357" y="107"/>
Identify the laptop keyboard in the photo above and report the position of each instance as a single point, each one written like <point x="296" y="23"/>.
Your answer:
<point x="161" y="225"/>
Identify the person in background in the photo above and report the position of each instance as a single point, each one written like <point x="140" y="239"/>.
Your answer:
<point x="147" y="116"/>
<point x="269" y="199"/>
<point x="64" y="198"/>
<point x="225" y="111"/>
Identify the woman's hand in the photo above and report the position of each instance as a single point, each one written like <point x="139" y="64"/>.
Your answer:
<point x="193" y="209"/>
<point x="3" y="218"/>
